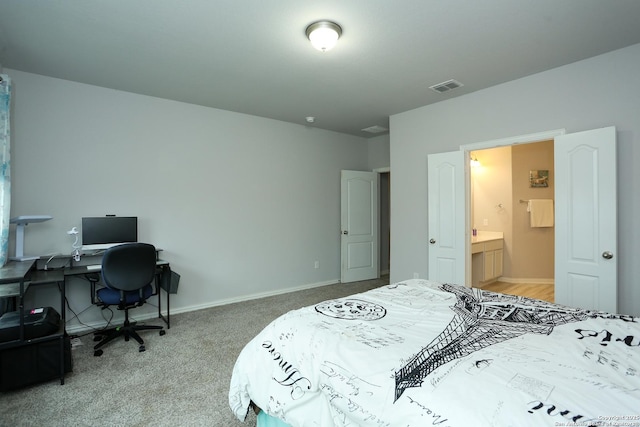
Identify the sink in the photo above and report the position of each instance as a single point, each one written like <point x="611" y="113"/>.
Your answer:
<point x="485" y="236"/>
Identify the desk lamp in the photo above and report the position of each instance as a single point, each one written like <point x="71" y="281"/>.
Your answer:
<point x="75" y="246"/>
<point x="21" y="222"/>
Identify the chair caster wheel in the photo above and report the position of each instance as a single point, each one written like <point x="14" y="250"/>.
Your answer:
<point x="162" y="332"/>
<point x="97" y="338"/>
<point x="141" y="349"/>
<point x="97" y="353"/>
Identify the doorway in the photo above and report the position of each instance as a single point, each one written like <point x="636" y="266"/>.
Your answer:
<point x="584" y="209"/>
<point x="501" y="186"/>
<point x="384" y="200"/>
<point x="365" y="224"/>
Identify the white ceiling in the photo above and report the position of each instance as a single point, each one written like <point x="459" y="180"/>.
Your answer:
<point x="252" y="56"/>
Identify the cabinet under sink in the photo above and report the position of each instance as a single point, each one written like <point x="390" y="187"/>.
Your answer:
<point x="487" y="255"/>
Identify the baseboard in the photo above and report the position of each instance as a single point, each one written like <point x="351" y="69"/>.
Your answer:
<point x="526" y="281"/>
<point x="253" y="296"/>
<point x="87" y="327"/>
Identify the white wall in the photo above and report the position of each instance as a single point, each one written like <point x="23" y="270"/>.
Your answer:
<point x="491" y="185"/>
<point x="241" y="205"/>
<point x="594" y="93"/>
<point x="379" y="152"/>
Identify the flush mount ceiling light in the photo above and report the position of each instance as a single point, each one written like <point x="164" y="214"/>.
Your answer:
<point x="324" y="35"/>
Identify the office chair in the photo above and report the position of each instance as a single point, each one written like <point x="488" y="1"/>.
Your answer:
<point x="128" y="271"/>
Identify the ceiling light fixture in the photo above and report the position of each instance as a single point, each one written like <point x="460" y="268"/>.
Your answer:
<point x="324" y="35"/>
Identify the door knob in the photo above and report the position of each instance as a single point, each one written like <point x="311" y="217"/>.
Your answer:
<point x="345" y="232"/>
<point x="607" y="255"/>
<point x="432" y="241"/>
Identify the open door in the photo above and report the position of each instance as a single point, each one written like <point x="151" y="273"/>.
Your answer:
<point x="586" y="226"/>
<point x="359" y="226"/>
<point x="585" y="218"/>
<point x="447" y="229"/>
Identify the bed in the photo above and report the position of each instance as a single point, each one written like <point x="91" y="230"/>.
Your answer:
<point x="419" y="353"/>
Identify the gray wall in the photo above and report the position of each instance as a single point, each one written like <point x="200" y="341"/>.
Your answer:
<point x="378" y="153"/>
<point x="533" y="254"/>
<point x="242" y="206"/>
<point x="594" y="93"/>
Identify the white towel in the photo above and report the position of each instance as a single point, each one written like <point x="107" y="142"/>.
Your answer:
<point x="540" y="212"/>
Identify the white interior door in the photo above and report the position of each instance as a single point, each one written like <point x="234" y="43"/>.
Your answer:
<point x="359" y="226"/>
<point x="586" y="226"/>
<point x="447" y="229"/>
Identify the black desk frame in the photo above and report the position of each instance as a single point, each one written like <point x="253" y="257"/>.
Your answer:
<point x="162" y="267"/>
<point x="21" y="275"/>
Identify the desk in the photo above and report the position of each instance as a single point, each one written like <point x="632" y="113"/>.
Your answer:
<point x="16" y="278"/>
<point x="162" y="267"/>
<point x="13" y="277"/>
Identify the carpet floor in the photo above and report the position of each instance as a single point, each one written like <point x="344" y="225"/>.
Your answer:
<point x="182" y="379"/>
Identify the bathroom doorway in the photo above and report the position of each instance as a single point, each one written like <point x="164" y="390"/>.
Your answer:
<point x="502" y="181"/>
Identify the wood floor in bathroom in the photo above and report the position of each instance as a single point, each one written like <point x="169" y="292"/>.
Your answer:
<point x="532" y="290"/>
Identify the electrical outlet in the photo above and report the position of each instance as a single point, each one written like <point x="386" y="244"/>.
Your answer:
<point x="485" y="221"/>
<point x="316" y="264"/>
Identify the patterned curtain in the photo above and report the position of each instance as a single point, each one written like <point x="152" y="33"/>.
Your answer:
<point x="5" y="170"/>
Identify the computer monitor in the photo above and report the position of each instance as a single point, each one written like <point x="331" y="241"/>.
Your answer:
<point x="107" y="231"/>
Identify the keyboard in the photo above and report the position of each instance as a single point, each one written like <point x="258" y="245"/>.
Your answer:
<point x="94" y="267"/>
<point x="98" y="247"/>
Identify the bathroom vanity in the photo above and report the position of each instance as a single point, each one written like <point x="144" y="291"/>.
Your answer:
<point x="486" y="256"/>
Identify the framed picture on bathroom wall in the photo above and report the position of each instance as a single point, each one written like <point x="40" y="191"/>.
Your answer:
<point x="539" y="178"/>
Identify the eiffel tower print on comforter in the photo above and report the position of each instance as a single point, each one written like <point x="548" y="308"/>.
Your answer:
<point x="419" y="353"/>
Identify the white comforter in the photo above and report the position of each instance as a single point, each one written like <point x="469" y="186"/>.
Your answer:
<point x="419" y="353"/>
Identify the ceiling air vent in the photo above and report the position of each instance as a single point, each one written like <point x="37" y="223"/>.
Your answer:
<point x="375" y="129"/>
<point x="446" y="86"/>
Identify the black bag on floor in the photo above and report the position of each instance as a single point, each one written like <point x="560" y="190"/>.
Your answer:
<point x="34" y="363"/>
